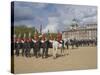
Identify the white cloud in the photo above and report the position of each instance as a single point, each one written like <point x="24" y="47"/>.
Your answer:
<point x="51" y="28"/>
<point x="84" y="14"/>
<point x="92" y="19"/>
<point x="67" y="13"/>
<point x="59" y="18"/>
<point x="52" y="25"/>
<point x="29" y="26"/>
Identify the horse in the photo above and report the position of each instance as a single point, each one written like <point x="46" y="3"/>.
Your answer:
<point x="67" y="44"/>
<point x="74" y="43"/>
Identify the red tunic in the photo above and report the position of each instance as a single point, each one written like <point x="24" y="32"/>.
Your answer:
<point x="25" y="40"/>
<point x="30" y="39"/>
<point x="59" y="37"/>
<point x="19" y="40"/>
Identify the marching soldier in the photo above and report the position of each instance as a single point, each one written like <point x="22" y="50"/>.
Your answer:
<point x="51" y="38"/>
<point x="47" y="47"/>
<point x="18" y="43"/>
<point x="43" y="45"/>
<point x="24" y="42"/>
<point x="29" y="44"/>
<point x="55" y="48"/>
<point x="28" y="48"/>
<point x="59" y="37"/>
<point x="36" y="44"/>
<point x="61" y="42"/>
<point x="14" y="42"/>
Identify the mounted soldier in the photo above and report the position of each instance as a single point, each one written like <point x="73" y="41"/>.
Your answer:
<point x="76" y="42"/>
<point x="67" y="43"/>
<point x="72" y="43"/>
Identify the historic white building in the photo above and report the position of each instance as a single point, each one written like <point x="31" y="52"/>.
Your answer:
<point x="89" y="31"/>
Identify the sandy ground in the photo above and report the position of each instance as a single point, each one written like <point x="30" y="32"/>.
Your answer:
<point x="74" y="59"/>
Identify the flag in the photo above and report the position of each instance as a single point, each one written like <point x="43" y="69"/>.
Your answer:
<point x="48" y="34"/>
<point x="40" y="29"/>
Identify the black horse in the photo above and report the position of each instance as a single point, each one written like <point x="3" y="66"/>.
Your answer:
<point x="67" y="44"/>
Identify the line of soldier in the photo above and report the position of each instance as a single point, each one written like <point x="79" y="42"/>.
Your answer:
<point x="35" y="44"/>
<point x="80" y="43"/>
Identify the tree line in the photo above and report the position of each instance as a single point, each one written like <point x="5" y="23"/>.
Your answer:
<point x="22" y="29"/>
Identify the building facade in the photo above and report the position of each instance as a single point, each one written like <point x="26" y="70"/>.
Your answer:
<point x="89" y="31"/>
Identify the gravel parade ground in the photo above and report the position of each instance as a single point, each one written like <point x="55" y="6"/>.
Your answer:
<point x="74" y="59"/>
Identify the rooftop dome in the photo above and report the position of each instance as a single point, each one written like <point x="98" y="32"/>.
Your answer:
<point x="74" y="24"/>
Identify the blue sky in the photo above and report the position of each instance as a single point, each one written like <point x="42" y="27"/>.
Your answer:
<point x="52" y="17"/>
